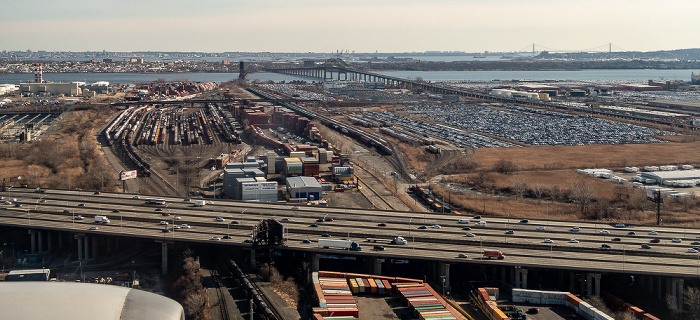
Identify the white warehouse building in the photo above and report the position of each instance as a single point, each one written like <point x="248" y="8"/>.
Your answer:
<point x="662" y="177"/>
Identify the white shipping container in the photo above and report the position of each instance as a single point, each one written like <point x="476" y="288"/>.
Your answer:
<point x="519" y="299"/>
<point x="552" y="301"/>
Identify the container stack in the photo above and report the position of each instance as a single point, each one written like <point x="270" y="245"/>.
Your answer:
<point x="292" y="166"/>
<point x="310" y="166"/>
<point x="425" y="302"/>
<point x="334" y="297"/>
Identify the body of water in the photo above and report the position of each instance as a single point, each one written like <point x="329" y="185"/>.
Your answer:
<point x="613" y="75"/>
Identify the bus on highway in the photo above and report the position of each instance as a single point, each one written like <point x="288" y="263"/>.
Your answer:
<point x="158" y="201"/>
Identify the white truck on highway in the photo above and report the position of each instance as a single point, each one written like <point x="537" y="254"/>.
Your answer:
<point x="199" y="203"/>
<point x="101" y="219"/>
<point x="397" y="240"/>
<point x="335" y="243"/>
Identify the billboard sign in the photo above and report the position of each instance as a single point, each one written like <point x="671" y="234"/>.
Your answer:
<point x="126" y="175"/>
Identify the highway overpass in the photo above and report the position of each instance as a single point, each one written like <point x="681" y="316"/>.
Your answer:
<point x="666" y="265"/>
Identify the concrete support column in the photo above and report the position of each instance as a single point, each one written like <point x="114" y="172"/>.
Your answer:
<point x="86" y="247"/>
<point x="164" y="258"/>
<point x="446" y="273"/>
<point x="670" y="286"/>
<point x="516" y="283"/>
<point x="315" y="262"/>
<point x="253" y="263"/>
<point x="658" y="288"/>
<point x="377" y="266"/>
<point x="32" y="240"/>
<point x="80" y="248"/>
<point x="60" y="240"/>
<point x="679" y="293"/>
<point x="512" y="276"/>
<point x="48" y="239"/>
<point x="572" y="281"/>
<point x="523" y="278"/>
<point x="589" y="283"/>
<point x="94" y="247"/>
<point x="40" y="240"/>
<point x="503" y="274"/>
<point x="597" y="277"/>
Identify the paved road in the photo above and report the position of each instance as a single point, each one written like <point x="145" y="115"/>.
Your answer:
<point x="524" y="248"/>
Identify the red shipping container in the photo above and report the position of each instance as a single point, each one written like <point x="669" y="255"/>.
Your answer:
<point x="387" y="287"/>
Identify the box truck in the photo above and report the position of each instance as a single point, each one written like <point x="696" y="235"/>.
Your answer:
<point x="489" y="253"/>
<point x="344" y="244"/>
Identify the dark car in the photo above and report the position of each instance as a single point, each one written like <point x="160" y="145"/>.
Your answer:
<point x="524" y="221"/>
<point x="533" y="310"/>
<point x="631" y="233"/>
<point x="235" y="222"/>
<point x="226" y="237"/>
<point x="422" y="227"/>
<point x="477" y="217"/>
<point x="379" y="248"/>
<point x="165" y="230"/>
<point x="325" y="235"/>
<point x="615" y="239"/>
<point x="646" y="246"/>
<point x="467" y="228"/>
<point x="18" y="204"/>
<point x="510" y="232"/>
<point x="306" y="241"/>
<point x="695" y="243"/>
<point x="655" y="240"/>
<point x="96" y="193"/>
<point x="328" y="219"/>
<point x="165" y="214"/>
<point x="159" y="209"/>
<point x="381" y="224"/>
<point x="605" y="246"/>
<point x="116" y="211"/>
<point x="319" y="220"/>
<point x="313" y="225"/>
<point x="66" y="211"/>
<point x="81" y="204"/>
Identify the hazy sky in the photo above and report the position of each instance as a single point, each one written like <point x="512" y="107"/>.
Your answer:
<point x="360" y="25"/>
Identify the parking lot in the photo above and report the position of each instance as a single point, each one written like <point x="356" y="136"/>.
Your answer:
<point x="536" y="126"/>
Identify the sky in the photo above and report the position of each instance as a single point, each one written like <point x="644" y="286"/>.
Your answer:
<point x="354" y="25"/>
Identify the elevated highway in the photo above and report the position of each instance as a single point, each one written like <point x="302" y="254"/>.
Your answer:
<point x="525" y="249"/>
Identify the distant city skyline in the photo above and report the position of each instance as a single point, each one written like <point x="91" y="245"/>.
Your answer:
<point x="363" y="26"/>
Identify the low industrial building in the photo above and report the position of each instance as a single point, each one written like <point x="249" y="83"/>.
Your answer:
<point x="662" y="176"/>
<point x="245" y="181"/>
<point x="58" y="88"/>
<point x="304" y="188"/>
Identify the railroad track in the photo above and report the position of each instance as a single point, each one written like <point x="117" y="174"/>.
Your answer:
<point x="223" y="302"/>
<point x="379" y="196"/>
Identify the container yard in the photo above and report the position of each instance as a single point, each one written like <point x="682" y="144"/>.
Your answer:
<point x="25" y="127"/>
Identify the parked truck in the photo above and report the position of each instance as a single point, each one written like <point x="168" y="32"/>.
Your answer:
<point x="101" y="219"/>
<point x="489" y="253"/>
<point x="335" y="243"/>
<point x="199" y="203"/>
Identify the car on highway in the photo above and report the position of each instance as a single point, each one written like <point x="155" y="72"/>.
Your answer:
<point x="235" y="222"/>
<point x="286" y="219"/>
<point x="462" y="255"/>
<point x="66" y="211"/>
<point x="79" y="204"/>
<point x="646" y="246"/>
<point x="306" y="241"/>
<point x="655" y="240"/>
<point x="227" y="237"/>
<point x="605" y="246"/>
<point x="164" y="222"/>
<point x="220" y="219"/>
<point x="469" y="234"/>
<point x="78" y="217"/>
<point x="165" y="230"/>
<point x="480" y="224"/>
<point x="604" y="231"/>
<point x="631" y="233"/>
<point x="691" y="250"/>
<point x="215" y="238"/>
<point x="575" y="229"/>
<point x="176" y="218"/>
<point x="695" y="243"/>
<point x="573" y="241"/>
<point x="619" y="225"/>
<point x="676" y="240"/>
<point x="116" y="211"/>
<point x="187" y="199"/>
<point x="13" y="199"/>
<point x="422" y="227"/>
<point x="319" y="220"/>
<point x="615" y="239"/>
<point x="510" y="232"/>
<point x="477" y="217"/>
<point x="381" y="224"/>
<point x="136" y="197"/>
<point x="94" y="228"/>
<point x="313" y="225"/>
<point x="436" y="226"/>
<point x="165" y="214"/>
<point x="463" y="221"/>
<point x="541" y="228"/>
<point x="467" y="228"/>
<point x="295" y="207"/>
<point x="18" y="204"/>
<point x="653" y="232"/>
<point x="328" y="219"/>
<point x="96" y="193"/>
<point x="42" y="200"/>
<point x="325" y="235"/>
<point x="159" y="209"/>
<point x="533" y="310"/>
<point x="524" y="220"/>
<point x="2" y="198"/>
<point x="185" y="226"/>
<point x="176" y="227"/>
<point x="548" y="241"/>
<point x="379" y="248"/>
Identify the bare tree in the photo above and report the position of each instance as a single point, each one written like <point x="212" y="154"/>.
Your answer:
<point x="692" y="300"/>
<point x="582" y="193"/>
<point x="505" y="167"/>
<point x="672" y="304"/>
